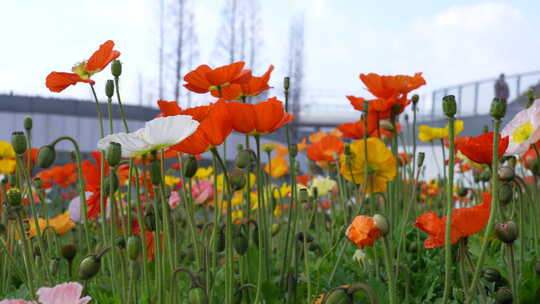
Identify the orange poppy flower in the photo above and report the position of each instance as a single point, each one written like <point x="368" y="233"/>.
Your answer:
<point x="465" y="222"/>
<point x="363" y="231"/>
<point x="277" y="167"/>
<point x="479" y="149"/>
<point x="302" y="145"/>
<point x="324" y="149"/>
<point x="317" y="136"/>
<point x="58" y="81"/>
<point x="256" y="85"/>
<point x="357" y="102"/>
<point x="261" y="118"/>
<point x="223" y="82"/>
<point x="213" y="129"/>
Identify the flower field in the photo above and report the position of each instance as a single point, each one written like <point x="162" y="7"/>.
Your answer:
<point x="145" y="218"/>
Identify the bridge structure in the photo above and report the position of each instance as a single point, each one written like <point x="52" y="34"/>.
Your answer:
<point x="54" y="117"/>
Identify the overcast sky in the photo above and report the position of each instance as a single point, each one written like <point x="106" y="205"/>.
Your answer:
<point x="451" y="41"/>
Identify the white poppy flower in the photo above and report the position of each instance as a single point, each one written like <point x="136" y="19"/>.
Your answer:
<point x="523" y="130"/>
<point x="158" y="133"/>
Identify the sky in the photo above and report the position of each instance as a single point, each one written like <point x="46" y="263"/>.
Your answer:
<point x="449" y="41"/>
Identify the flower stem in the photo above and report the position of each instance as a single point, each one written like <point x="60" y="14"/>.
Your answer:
<point x="449" y="202"/>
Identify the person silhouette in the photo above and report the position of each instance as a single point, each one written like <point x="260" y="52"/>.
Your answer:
<point x="501" y="88"/>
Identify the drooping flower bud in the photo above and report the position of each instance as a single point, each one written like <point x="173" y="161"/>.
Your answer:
<point x="14" y="197"/>
<point x="506" y="193"/>
<point x="506" y="174"/>
<point x="498" y="108"/>
<point x="134" y="246"/>
<point x="28" y="123"/>
<point x="449" y="105"/>
<point x="504" y="295"/>
<point x="155" y="172"/>
<point x="114" y="154"/>
<point x="18" y="141"/>
<point x="68" y="251"/>
<point x="190" y="167"/>
<point x="90" y="265"/>
<point x="46" y="156"/>
<point x="237" y="179"/>
<point x="381" y="222"/>
<point x="507" y="232"/>
<point x="109" y="88"/>
<point x="116" y="68"/>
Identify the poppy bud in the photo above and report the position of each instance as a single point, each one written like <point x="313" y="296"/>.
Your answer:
<point x="303" y="195"/>
<point x="53" y="265"/>
<point x="111" y="184"/>
<point x="498" y="108"/>
<point x="286" y="82"/>
<point x="507" y="232"/>
<point x="293" y="150"/>
<point x="537" y="267"/>
<point x="485" y="129"/>
<point x="381" y="222"/>
<point x="492" y="275"/>
<point x="449" y="105"/>
<point x="28" y="123"/>
<point x="68" y="251"/>
<point x="421" y="157"/>
<point x="190" y="167"/>
<point x="134" y="246"/>
<point x="506" y="174"/>
<point x="197" y="295"/>
<point x="14" y="197"/>
<point x="504" y="295"/>
<point x="338" y="296"/>
<point x="415" y="98"/>
<point x="114" y="154"/>
<point x="240" y="243"/>
<point x="506" y="193"/>
<point x="155" y="172"/>
<point x="18" y="141"/>
<point x="274" y="229"/>
<point x="116" y="68"/>
<point x="109" y="88"/>
<point x="46" y="156"/>
<point x="90" y="265"/>
<point x="243" y="158"/>
<point x="237" y="179"/>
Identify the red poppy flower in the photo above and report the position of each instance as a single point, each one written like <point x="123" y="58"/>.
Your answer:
<point x="261" y="118"/>
<point x="355" y="130"/>
<point x="325" y="149"/>
<point x="223" y="82"/>
<point x="303" y="179"/>
<point x="465" y="222"/>
<point x="256" y="85"/>
<point x="58" y="81"/>
<point x="480" y="148"/>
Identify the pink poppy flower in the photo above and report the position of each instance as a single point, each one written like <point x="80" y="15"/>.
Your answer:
<point x="174" y="199"/>
<point x="202" y="192"/>
<point x="66" y="293"/>
<point x="16" y="301"/>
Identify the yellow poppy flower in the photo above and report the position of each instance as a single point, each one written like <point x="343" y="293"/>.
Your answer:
<point x="7" y="166"/>
<point x="281" y="192"/>
<point x="381" y="164"/>
<point x="278" y="167"/>
<point x="204" y="173"/>
<point x="61" y="224"/>
<point x="428" y="134"/>
<point x="171" y="181"/>
<point x="6" y="150"/>
<point x="7" y="158"/>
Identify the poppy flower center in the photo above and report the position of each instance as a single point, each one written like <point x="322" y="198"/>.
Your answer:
<point x="522" y="133"/>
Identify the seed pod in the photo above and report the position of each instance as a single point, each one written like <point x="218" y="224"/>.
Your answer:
<point x="68" y="251"/>
<point x="46" y="156"/>
<point x="190" y="167"/>
<point x="243" y="158"/>
<point x="155" y="172"/>
<point x="14" y="197"/>
<point x="381" y="222"/>
<point x="449" y="105"/>
<point x="197" y="295"/>
<point x="507" y="232"/>
<point x="237" y="179"/>
<point x="28" y="123"/>
<point x="498" y="108"/>
<point x="506" y="193"/>
<point x="18" y="141"/>
<point x="504" y="295"/>
<point x="240" y="243"/>
<point x="114" y="154"/>
<point x="338" y="296"/>
<point x="116" y="68"/>
<point x="134" y="246"/>
<point x="506" y="173"/>
<point x="109" y="88"/>
<point x="286" y="82"/>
